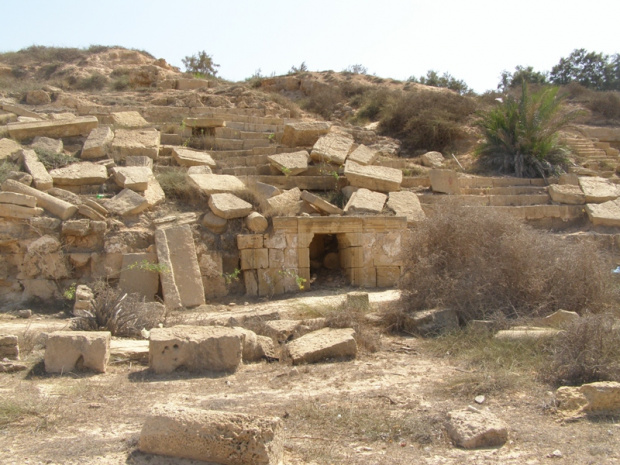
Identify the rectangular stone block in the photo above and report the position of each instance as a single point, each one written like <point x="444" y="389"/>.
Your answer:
<point x="140" y="275"/>
<point x="329" y="224"/>
<point x="303" y="257"/>
<point x="41" y="179"/>
<point x="66" y="351"/>
<point x="181" y="280"/>
<point x="98" y="143"/>
<point x="276" y="258"/>
<point x="374" y="178"/>
<point x="285" y="225"/>
<point x="445" y="181"/>
<point x="352" y="257"/>
<point x="363" y="277"/>
<point x="270" y="282"/>
<point x="249" y="241"/>
<point x="388" y="276"/>
<point x="8" y="210"/>
<point x="275" y="241"/>
<point x="254" y="259"/>
<point x="79" y="126"/>
<point x="250" y="280"/>
<point x="211" y="436"/>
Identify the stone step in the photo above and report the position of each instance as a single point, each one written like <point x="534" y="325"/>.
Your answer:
<point x="239" y="144"/>
<point x="230" y="133"/>
<point x="310" y="183"/>
<point x="510" y="190"/>
<point x="487" y="200"/>
<point x="239" y="162"/>
<point x="241" y="171"/>
<point x="484" y="182"/>
<point x="255" y="127"/>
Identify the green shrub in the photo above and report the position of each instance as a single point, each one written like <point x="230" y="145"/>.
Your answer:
<point x="588" y="350"/>
<point x="6" y="166"/>
<point x="52" y="160"/>
<point x="482" y="263"/>
<point x="322" y="100"/>
<point x="521" y="135"/>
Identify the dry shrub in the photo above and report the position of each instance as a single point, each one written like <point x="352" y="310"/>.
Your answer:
<point x="173" y="181"/>
<point x="426" y="120"/>
<point x="481" y="262"/>
<point x="118" y="312"/>
<point x="588" y="350"/>
<point x="606" y="104"/>
<point x="322" y="100"/>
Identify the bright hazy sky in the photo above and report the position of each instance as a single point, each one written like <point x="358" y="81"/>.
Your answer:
<point x="473" y="40"/>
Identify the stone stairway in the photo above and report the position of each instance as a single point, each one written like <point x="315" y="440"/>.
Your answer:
<point x="592" y="154"/>
<point x="527" y="199"/>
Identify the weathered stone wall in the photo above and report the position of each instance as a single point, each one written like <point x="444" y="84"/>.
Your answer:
<point x="370" y="252"/>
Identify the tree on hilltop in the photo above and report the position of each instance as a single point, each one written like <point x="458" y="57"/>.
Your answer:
<point x="201" y="64"/>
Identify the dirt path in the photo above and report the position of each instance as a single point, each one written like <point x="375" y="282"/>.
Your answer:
<point x="386" y="407"/>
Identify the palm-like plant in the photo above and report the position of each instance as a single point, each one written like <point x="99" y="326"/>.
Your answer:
<point x="521" y="136"/>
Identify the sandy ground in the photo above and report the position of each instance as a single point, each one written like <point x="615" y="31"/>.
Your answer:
<point x="387" y="407"/>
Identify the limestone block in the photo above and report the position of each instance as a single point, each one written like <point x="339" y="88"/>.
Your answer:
<point x="276" y="258"/>
<point x="187" y="157"/>
<point x="139" y="142"/>
<point x="304" y="134"/>
<point x="80" y="174"/>
<point x="255" y="347"/>
<point x="282" y="331"/>
<point x="126" y="203"/>
<point x="256" y="222"/>
<point x="365" y="201"/>
<point x="376" y="178"/>
<point x="351" y="257"/>
<point x="362" y="277"/>
<point x="217" y="183"/>
<point x="321" y="345"/>
<point x="286" y="203"/>
<point x="204" y="122"/>
<point x="90" y="213"/>
<point x="250" y="241"/>
<point x="128" y="119"/>
<point x="41" y="179"/>
<point x="320" y="204"/>
<point x="388" y="276"/>
<point x="604" y="214"/>
<point x="135" y="178"/>
<point x="524" y="333"/>
<point x="136" y="276"/>
<point x="406" y="204"/>
<point x="38" y="97"/>
<point x="79" y="126"/>
<point x="96" y="206"/>
<point x="567" y="193"/>
<point x="8" y="147"/>
<point x="139" y="161"/>
<point x="181" y="282"/>
<point x="154" y="194"/>
<point x="471" y="428"/>
<point x="229" y="206"/>
<point x="98" y="143"/>
<point x="78" y="228"/>
<point x="432" y="159"/>
<point x="363" y="155"/>
<point x="253" y="259"/>
<point x="66" y="351"/>
<point x="276" y="241"/>
<point x="290" y="164"/>
<point x="214" y="223"/>
<point x="47" y="144"/>
<point x="333" y="148"/>
<point x="357" y="300"/>
<point x="18" y="199"/>
<point x="597" y="398"/>
<point x="444" y="181"/>
<point x="212" y="436"/>
<point x="250" y="282"/>
<point x="195" y="348"/>
<point x="598" y="190"/>
<point x="19" y="212"/>
<point x="558" y="319"/>
<point x="9" y="347"/>
<point x="45" y="259"/>
<point x="263" y="191"/>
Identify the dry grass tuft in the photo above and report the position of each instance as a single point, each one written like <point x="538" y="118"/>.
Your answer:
<point x="174" y="183"/>
<point x="588" y="350"/>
